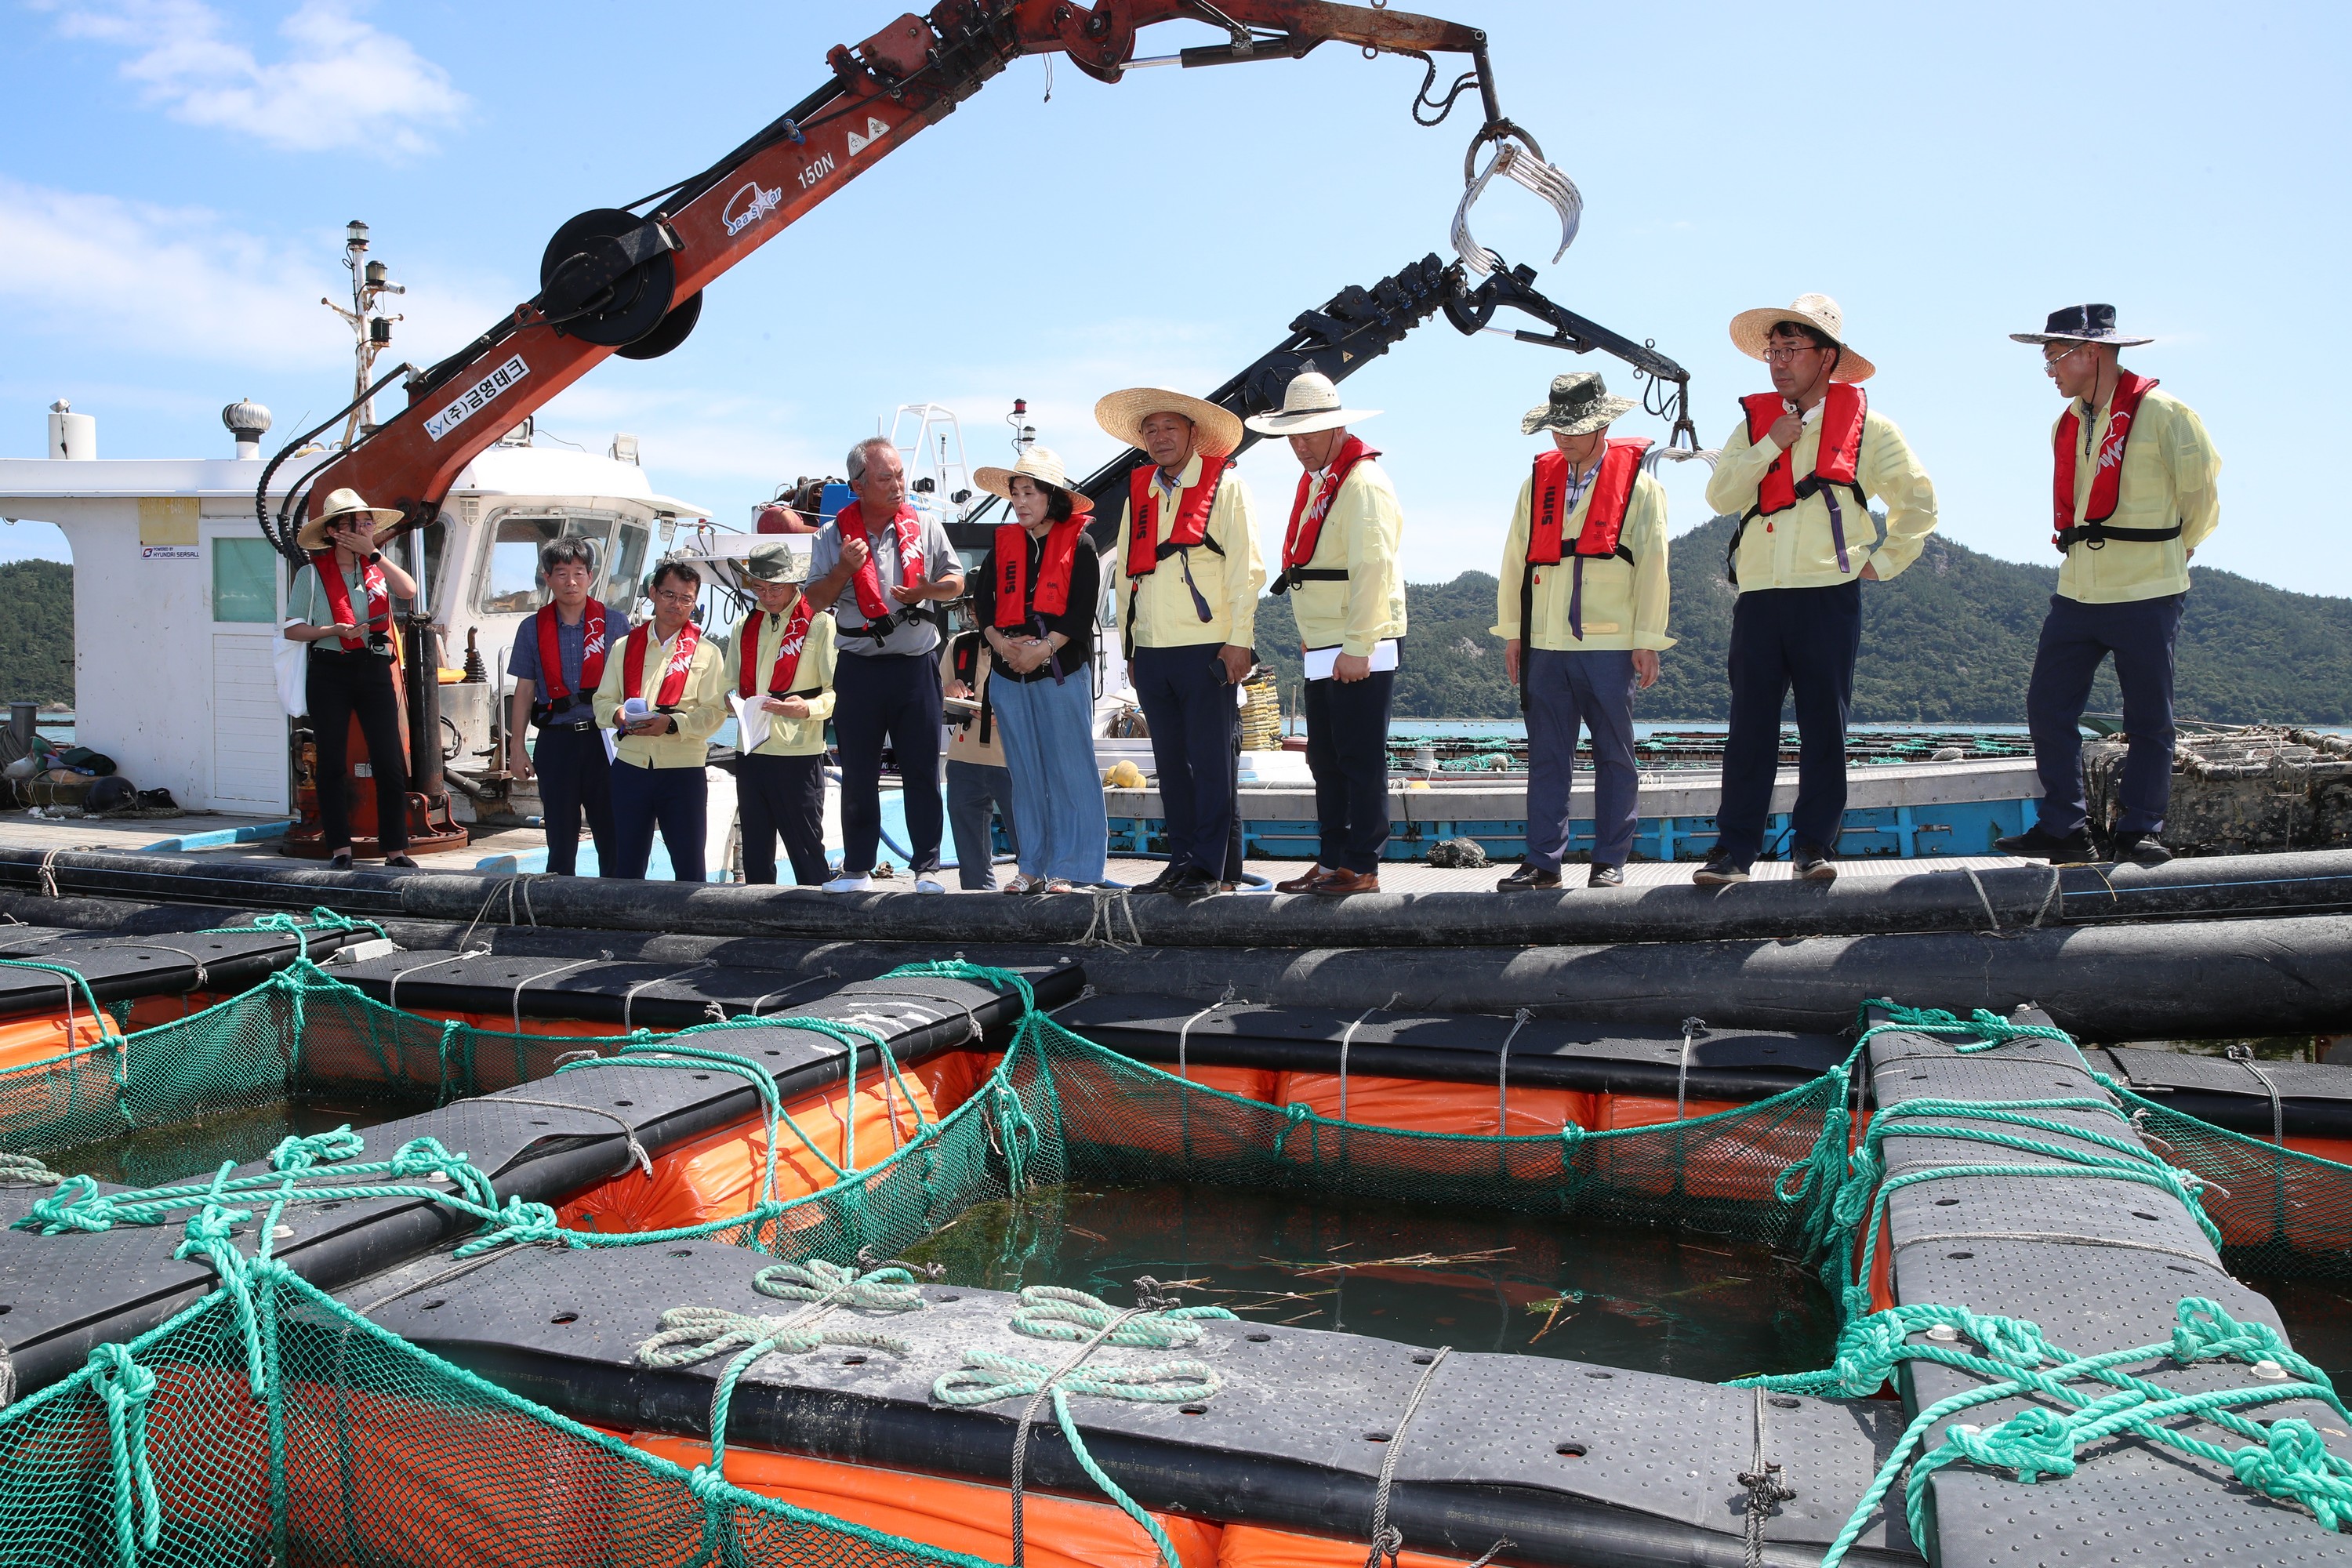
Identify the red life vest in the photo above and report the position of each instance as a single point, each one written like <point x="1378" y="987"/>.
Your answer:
<point x="1014" y="606"/>
<point x="880" y="613"/>
<point x="1145" y="549"/>
<point x="1836" y="465"/>
<point x="2106" y="485"/>
<point x="1604" y="525"/>
<point x="681" y="660"/>
<point x="788" y="651"/>
<point x="338" y="597"/>
<point x="554" y="693"/>
<point x="1306" y="531"/>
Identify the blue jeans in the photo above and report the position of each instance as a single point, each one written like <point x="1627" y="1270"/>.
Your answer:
<point x="1047" y="727"/>
<point x="1595" y="689"/>
<point x="677" y="800"/>
<point x="2075" y="639"/>
<point x="1189" y="705"/>
<point x="1785" y="642"/>
<point x="976" y="792"/>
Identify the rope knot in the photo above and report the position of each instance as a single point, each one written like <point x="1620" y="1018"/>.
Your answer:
<point x="2204" y="1332"/>
<point x="1867" y="1350"/>
<point x="2297" y="1467"/>
<point x="2034" y="1443"/>
<point x="124" y="1386"/>
<point x="521" y="1224"/>
<point x="76" y="1204"/>
<point x="293" y="1154"/>
<point x="211" y="1234"/>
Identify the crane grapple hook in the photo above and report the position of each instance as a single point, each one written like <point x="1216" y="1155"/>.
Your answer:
<point x="1519" y="158"/>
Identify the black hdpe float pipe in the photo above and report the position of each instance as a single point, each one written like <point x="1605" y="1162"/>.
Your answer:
<point x="2005" y="901"/>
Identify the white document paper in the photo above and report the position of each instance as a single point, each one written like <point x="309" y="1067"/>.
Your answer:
<point x="751" y="723"/>
<point x="1320" y="661"/>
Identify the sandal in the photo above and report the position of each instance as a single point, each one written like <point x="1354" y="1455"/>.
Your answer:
<point x="1053" y="885"/>
<point x="1022" y="882"/>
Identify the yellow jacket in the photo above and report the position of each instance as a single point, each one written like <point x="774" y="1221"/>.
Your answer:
<point x="1361" y="534"/>
<point x="1165" y="616"/>
<point x="1798" y="551"/>
<point x="2170" y="473"/>
<point x="787" y="737"/>
<point x="1624" y="605"/>
<point x="701" y="706"/>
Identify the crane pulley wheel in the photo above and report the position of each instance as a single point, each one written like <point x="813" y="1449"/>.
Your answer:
<point x="607" y="277"/>
<point x="672" y="331"/>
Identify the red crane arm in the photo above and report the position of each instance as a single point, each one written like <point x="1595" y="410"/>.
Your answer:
<point x="616" y="281"/>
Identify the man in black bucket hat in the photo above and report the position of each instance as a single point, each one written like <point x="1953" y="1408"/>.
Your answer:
<point x="2133" y="496"/>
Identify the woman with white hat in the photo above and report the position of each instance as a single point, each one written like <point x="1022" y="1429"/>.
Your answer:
<point x="340" y="603"/>
<point x="1340" y="568"/>
<point x="1797" y="559"/>
<point x="1035" y="600"/>
<point x="1188" y="582"/>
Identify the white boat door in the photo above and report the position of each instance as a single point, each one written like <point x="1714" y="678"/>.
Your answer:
<point x="244" y="589"/>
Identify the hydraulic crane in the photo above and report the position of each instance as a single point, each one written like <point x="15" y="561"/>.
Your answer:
<point x="629" y="280"/>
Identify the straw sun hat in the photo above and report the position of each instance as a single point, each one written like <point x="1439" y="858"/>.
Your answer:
<point x="1310" y="403"/>
<point x="1752" y="330"/>
<point x="1041" y="465"/>
<point x="312" y="536"/>
<point x="1122" y="413"/>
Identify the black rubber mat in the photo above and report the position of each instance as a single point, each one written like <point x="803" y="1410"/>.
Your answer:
<point x="123" y="968"/>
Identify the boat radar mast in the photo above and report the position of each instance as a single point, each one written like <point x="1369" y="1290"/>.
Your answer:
<point x="371" y="327"/>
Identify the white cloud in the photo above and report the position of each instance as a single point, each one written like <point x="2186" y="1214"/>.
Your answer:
<point x="340" y="82"/>
<point x="179" y="281"/>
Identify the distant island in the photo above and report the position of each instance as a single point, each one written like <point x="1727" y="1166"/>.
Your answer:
<point x="1949" y="641"/>
<point x="36" y="645"/>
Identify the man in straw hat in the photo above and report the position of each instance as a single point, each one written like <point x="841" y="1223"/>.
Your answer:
<point x="557" y="662"/>
<point x="1581" y="605"/>
<point x="1339" y="567"/>
<point x="1036" y="605"/>
<point x="1797" y="559"/>
<point x="2134" y="496"/>
<point x="878" y="565"/>
<point x="1187" y="607"/>
<point x="780" y="667"/>
<point x="340" y="603"/>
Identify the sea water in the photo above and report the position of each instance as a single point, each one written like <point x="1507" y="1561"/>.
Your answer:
<point x="172" y="1150"/>
<point x="1650" y="1301"/>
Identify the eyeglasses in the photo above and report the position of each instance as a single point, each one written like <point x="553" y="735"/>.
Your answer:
<point x="2052" y="361"/>
<point x="669" y="598"/>
<point x="1781" y="353"/>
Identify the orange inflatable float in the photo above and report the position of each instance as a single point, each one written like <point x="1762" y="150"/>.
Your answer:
<point x="960" y="1515"/>
<point x="1255" y="1546"/>
<point x="27" y="1041"/>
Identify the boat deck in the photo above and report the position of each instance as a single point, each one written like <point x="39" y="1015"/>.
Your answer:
<point x="243" y="837"/>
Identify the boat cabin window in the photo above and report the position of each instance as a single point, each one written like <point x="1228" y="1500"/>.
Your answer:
<point x="511" y="582"/>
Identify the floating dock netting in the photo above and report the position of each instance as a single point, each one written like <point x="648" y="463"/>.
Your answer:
<point x="269" y="1421"/>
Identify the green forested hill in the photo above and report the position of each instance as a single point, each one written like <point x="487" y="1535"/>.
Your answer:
<point x="36" y="632"/>
<point x="1949" y="641"/>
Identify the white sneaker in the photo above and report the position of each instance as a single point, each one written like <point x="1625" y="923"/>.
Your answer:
<point x="929" y="885"/>
<point x="848" y="884"/>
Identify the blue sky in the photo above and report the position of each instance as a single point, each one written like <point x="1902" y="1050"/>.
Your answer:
<point x="174" y="177"/>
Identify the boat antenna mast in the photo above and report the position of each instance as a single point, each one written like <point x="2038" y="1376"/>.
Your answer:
<point x="371" y="326"/>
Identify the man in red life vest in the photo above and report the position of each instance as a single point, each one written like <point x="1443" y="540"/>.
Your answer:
<point x="1189" y="572"/>
<point x="779" y="665"/>
<point x="558" y="661"/>
<point x="2133" y="498"/>
<point x="1797" y="558"/>
<point x="879" y="566"/>
<point x="661" y="693"/>
<point x="1581" y="605"/>
<point x="1340" y="568"/>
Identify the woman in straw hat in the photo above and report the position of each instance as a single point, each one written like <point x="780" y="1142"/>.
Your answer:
<point x="1797" y="558"/>
<point x="1035" y="600"/>
<point x="1188" y="582"/>
<point x="1340" y="568"/>
<point x="340" y="603"/>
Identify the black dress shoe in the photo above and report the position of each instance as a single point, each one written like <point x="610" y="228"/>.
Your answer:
<point x="1719" y="871"/>
<point x="1528" y="878"/>
<point x="2140" y="850"/>
<point x="2035" y="843"/>
<point x="1814" y="864"/>
<point x="1605" y="877"/>
<point x="1191" y="882"/>
<point x="1158" y="884"/>
<point x="402" y="861"/>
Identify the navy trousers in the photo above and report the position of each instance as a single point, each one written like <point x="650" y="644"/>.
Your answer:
<point x="977" y="793"/>
<point x="1786" y="642"/>
<point x="1189" y="705"/>
<point x="893" y="697"/>
<point x="2075" y="637"/>
<point x="1593" y="689"/>
<point x="575" y="780"/>
<point x="677" y="801"/>
<point x="1348" y="752"/>
<point x="781" y="796"/>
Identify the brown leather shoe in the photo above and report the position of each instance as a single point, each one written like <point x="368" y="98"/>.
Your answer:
<point x="1339" y="884"/>
<point x="1307" y="882"/>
